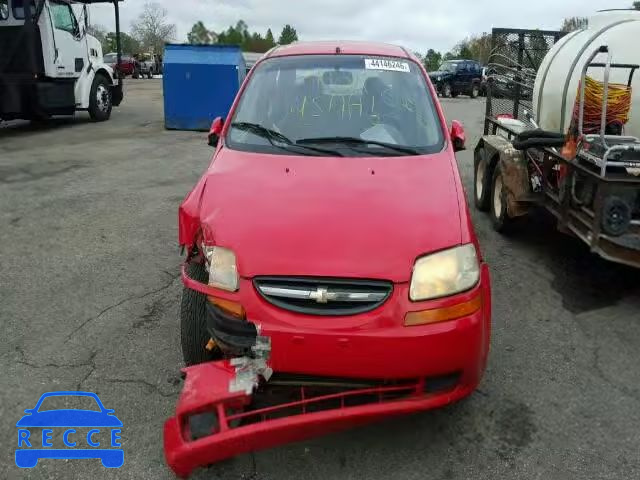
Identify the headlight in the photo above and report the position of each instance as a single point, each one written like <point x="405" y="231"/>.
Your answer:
<point x="445" y="273"/>
<point x="221" y="263"/>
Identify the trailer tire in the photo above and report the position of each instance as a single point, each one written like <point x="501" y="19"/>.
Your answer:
<point x="482" y="180"/>
<point x="193" y="324"/>
<point x="616" y="216"/>
<point x="101" y="99"/>
<point x="500" y="219"/>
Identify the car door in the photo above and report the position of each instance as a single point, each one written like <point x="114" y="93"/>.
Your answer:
<point x="476" y="73"/>
<point x="462" y="78"/>
<point x="71" y="50"/>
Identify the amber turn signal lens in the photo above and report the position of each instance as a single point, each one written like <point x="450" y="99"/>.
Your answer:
<point x="437" y="315"/>
<point x="232" y="308"/>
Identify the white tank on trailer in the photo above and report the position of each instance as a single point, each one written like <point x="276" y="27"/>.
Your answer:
<point x="557" y="81"/>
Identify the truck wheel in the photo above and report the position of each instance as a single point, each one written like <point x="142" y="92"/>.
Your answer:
<point x="481" y="180"/>
<point x="100" y="100"/>
<point x="193" y="326"/>
<point x="500" y="219"/>
<point x="447" y="91"/>
<point x="475" y="91"/>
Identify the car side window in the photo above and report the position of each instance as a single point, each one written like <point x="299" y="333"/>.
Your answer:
<point x="18" y="9"/>
<point x="4" y="9"/>
<point x="63" y="18"/>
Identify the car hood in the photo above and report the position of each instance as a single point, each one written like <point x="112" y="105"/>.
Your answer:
<point x="439" y="74"/>
<point x="325" y="216"/>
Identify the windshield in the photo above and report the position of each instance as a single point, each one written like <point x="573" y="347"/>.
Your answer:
<point x="449" y="67"/>
<point x="367" y="105"/>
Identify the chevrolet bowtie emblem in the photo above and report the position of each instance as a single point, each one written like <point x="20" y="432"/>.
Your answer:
<point x="321" y="295"/>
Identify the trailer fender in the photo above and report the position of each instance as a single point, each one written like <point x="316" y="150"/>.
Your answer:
<point x="515" y="174"/>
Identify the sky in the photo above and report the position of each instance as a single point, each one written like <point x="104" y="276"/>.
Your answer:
<point x="414" y="24"/>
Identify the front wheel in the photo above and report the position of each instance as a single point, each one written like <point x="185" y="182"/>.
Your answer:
<point x="193" y="324"/>
<point x="101" y="101"/>
<point x="447" y="91"/>
<point x="500" y="218"/>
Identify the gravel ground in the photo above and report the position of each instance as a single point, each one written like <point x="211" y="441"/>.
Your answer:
<point x="89" y="295"/>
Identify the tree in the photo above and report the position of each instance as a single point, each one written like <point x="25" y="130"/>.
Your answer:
<point x="432" y="60"/>
<point x="480" y="47"/>
<point x="100" y="33"/>
<point x="129" y="44"/>
<point x="574" y="23"/>
<point x="199" y="35"/>
<point x="288" y="35"/>
<point x="269" y="38"/>
<point x="152" y="28"/>
<point x="234" y="35"/>
<point x="636" y="5"/>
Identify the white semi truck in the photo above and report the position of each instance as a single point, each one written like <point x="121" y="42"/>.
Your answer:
<point x="50" y="65"/>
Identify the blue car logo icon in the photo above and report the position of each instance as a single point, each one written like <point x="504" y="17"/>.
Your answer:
<point x="32" y="447"/>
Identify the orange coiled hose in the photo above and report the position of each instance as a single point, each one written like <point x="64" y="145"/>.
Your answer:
<point x="618" y="105"/>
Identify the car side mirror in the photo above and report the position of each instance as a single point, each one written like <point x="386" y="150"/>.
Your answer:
<point x="458" y="137"/>
<point x="215" y="131"/>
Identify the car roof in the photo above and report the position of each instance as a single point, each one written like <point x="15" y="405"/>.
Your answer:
<point x="330" y="47"/>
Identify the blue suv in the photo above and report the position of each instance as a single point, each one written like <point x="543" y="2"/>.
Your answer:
<point x="456" y="77"/>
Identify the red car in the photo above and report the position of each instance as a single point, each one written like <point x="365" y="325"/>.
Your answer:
<point x="128" y="64"/>
<point x="333" y="275"/>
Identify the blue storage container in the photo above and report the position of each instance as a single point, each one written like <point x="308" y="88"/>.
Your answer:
<point x="200" y="83"/>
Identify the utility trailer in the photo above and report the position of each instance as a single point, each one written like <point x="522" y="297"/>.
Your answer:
<point x="50" y="65"/>
<point x="589" y="181"/>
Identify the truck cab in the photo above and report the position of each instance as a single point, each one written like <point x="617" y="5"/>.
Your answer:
<point x="50" y="65"/>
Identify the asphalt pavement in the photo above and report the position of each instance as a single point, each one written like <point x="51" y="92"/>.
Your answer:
<point x="89" y="294"/>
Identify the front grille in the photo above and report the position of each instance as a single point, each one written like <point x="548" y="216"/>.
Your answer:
<point x="323" y="296"/>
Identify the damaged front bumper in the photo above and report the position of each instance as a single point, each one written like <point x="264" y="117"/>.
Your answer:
<point x="429" y="367"/>
<point x="237" y="425"/>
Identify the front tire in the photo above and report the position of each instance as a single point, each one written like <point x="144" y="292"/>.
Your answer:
<point x="500" y="219"/>
<point x="101" y="99"/>
<point x="482" y="180"/>
<point x="447" y="91"/>
<point x="193" y="325"/>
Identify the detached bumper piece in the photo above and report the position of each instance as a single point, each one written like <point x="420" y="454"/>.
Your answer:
<point x="218" y="416"/>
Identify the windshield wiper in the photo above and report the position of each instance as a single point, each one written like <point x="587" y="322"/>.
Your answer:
<point x="353" y="141"/>
<point x="276" y="138"/>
